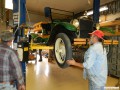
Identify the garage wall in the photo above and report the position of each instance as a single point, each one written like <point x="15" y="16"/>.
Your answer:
<point x="34" y="18"/>
<point x="110" y="17"/>
<point x="11" y="18"/>
<point x="2" y="23"/>
<point x="2" y="19"/>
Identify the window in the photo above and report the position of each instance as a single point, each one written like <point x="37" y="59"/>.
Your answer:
<point x="9" y="4"/>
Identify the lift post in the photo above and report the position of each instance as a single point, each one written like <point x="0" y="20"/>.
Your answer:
<point x="19" y="18"/>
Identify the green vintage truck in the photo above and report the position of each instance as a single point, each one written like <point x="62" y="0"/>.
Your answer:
<point x="68" y="36"/>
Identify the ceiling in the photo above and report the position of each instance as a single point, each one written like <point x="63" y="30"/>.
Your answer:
<point x="70" y="5"/>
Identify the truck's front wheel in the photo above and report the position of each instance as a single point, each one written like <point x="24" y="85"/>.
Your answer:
<point x="62" y="49"/>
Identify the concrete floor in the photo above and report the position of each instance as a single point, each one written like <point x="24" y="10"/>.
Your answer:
<point x="48" y="76"/>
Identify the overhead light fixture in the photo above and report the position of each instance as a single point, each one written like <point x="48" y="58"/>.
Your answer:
<point x="103" y="8"/>
<point x="9" y="4"/>
<point x="89" y="13"/>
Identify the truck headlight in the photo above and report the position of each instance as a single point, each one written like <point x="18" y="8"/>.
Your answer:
<point x="75" y="22"/>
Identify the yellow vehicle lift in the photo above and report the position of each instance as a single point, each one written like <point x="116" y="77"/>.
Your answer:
<point x="39" y="46"/>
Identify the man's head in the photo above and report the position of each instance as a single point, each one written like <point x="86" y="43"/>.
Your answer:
<point x="6" y="37"/>
<point x="96" y="36"/>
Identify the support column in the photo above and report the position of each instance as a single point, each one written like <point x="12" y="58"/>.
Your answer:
<point x="96" y="13"/>
<point x="19" y="9"/>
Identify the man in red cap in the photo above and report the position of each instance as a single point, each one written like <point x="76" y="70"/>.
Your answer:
<point x="95" y="62"/>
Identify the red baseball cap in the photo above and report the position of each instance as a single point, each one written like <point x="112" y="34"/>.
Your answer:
<point x="98" y="33"/>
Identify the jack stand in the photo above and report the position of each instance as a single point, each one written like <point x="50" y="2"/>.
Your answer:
<point x="40" y="50"/>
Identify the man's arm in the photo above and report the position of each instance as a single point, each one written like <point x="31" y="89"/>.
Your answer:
<point x="80" y="65"/>
<point x="88" y="63"/>
<point x="74" y="63"/>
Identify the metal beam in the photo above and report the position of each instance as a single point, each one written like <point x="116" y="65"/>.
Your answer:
<point x="96" y="13"/>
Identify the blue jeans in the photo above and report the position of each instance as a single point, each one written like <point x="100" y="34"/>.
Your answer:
<point x="93" y="86"/>
<point x="7" y="86"/>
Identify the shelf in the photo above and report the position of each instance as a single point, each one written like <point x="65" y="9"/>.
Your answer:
<point x="110" y="23"/>
<point x="110" y="34"/>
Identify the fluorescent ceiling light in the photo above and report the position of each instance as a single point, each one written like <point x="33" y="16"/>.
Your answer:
<point x="103" y="8"/>
<point x="89" y="13"/>
<point x="9" y="4"/>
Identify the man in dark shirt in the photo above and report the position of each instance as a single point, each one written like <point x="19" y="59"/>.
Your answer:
<point x="10" y="68"/>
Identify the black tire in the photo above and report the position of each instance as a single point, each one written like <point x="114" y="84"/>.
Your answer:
<point x="68" y="50"/>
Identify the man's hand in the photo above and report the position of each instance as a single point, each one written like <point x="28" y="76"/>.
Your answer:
<point x="21" y="87"/>
<point x="71" y="62"/>
<point x="74" y="63"/>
